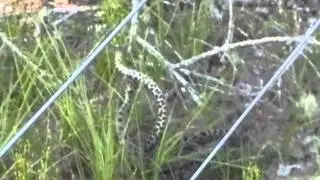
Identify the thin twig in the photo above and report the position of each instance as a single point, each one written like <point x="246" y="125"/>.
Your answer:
<point x="194" y="94"/>
<point x="208" y="78"/>
<point x="230" y="30"/>
<point x="288" y="39"/>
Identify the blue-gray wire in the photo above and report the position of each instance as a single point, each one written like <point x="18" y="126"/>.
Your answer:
<point x="284" y="67"/>
<point x="85" y="63"/>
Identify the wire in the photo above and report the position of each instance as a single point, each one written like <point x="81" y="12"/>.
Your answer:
<point x="85" y="63"/>
<point x="283" y="68"/>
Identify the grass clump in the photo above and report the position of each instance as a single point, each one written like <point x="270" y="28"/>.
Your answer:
<point x="75" y="139"/>
<point x="308" y="106"/>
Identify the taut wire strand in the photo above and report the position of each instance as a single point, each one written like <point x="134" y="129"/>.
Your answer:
<point x="283" y="68"/>
<point x="85" y="63"/>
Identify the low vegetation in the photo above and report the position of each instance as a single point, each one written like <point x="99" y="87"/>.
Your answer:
<point x="76" y="137"/>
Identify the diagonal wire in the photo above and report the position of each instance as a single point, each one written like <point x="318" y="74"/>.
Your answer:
<point x="85" y="63"/>
<point x="283" y="68"/>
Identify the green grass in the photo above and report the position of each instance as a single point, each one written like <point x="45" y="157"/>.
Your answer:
<point x="75" y="138"/>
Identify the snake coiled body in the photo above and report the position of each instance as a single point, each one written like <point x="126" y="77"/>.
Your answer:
<point x="135" y="77"/>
